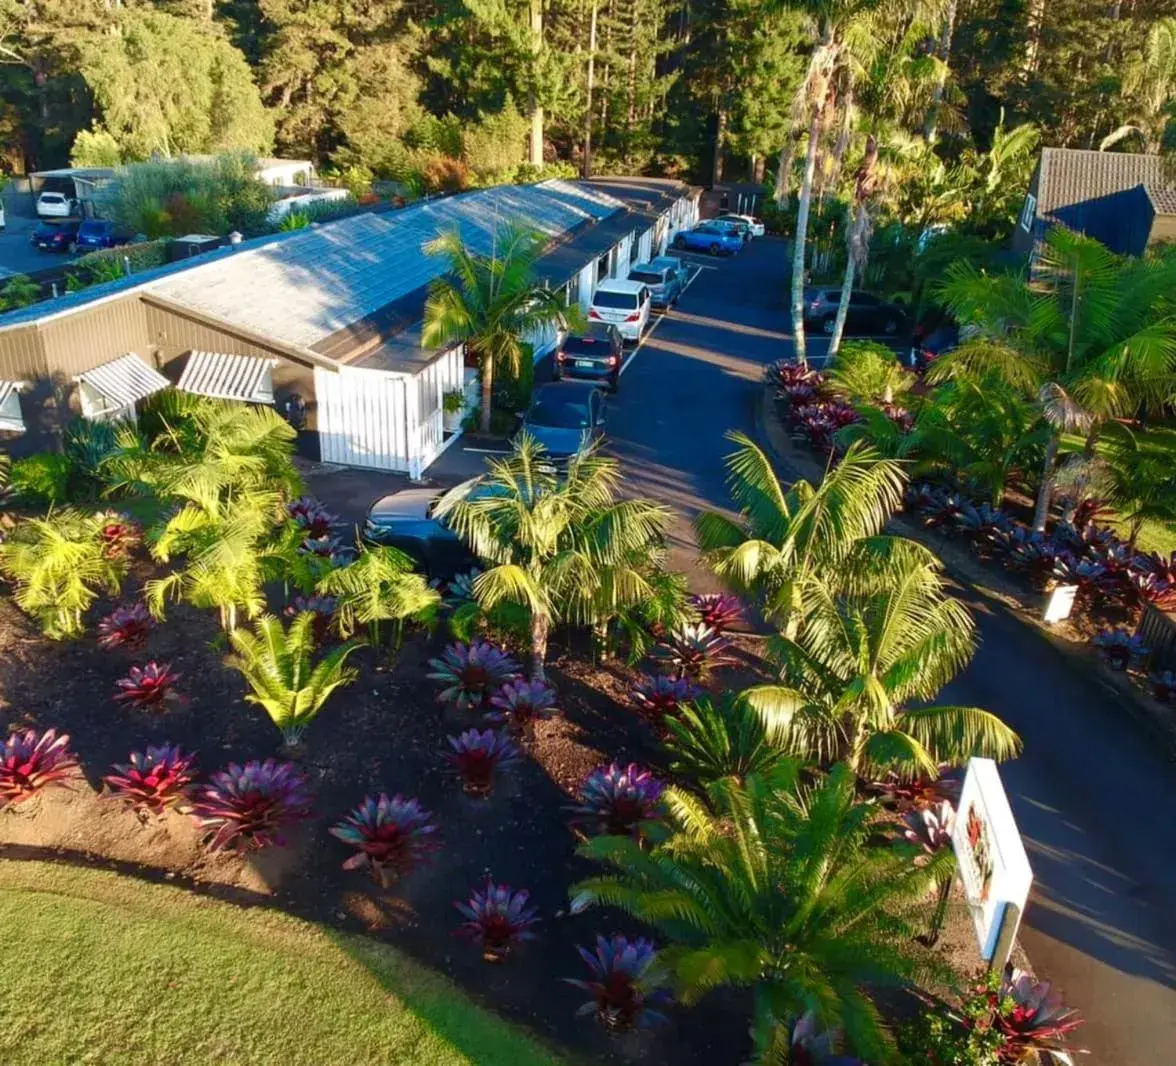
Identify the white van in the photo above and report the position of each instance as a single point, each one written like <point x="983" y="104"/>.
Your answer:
<point x="624" y="304"/>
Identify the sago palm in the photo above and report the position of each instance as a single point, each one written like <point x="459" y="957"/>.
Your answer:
<point x="286" y="682"/>
<point x="490" y="302"/>
<point x="379" y="585"/>
<point x="59" y="565"/>
<point x="781" y="890"/>
<point x="785" y="537"/>
<point x="859" y="675"/>
<point x="565" y="548"/>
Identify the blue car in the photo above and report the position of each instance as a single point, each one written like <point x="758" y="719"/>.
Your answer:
<point x="709" y="238"/>
<point x="96" y="233"/>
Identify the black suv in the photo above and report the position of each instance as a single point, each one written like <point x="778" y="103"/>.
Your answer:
<point x="867" y="313"/>
<point x="594" y="354"/>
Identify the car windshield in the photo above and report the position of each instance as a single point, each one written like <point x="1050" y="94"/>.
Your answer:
<point x="52" y="197"/>
<point x="596" y="346"/>
<point x="623" y="300"/>
<point x="646" y="277"/>
<point x="558" y="413"/>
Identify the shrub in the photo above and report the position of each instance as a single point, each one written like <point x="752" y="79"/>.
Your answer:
<point x="929" y="827"/>
<point x="624" y="985"/>
<point x="125" y="627"/>
<point x="693" y="651"/>
<point x="497" y="918"/>
<point x="521" y="703"/>
<point x="618" y="801"/>
<point x="660" y="697"/>
<point x="31" y="761"/>
<point x="392" y="836"/>
<point x="148" y="687"/>
<point x="153" y="780"/>
<point x="718" y="611"/>
<point x="816" y="423"/>
<point x="19" y="291"/>
<point x="1119" y="649"/>
<point x="440" y="173"/>
<point x="1032" y="1019"/>
<point x="40" y="479"/>
<point x="249" y="806"/>
<point x="470" y="672"/>
<point x="713" y="739"/>
<point x="308" y="514"/>
<point x="478" y="754"/>
<point x="120" y="536"/>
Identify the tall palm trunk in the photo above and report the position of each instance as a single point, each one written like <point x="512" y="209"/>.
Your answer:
<point x="798" y="248"/>
<point x="843" y="306"/>
<point x="540" y="627"/>
<point x="586" y="166"/>
<point x="1045" y="491"/>
<point x="943" y="54"/>
<point x="487" y="390"/>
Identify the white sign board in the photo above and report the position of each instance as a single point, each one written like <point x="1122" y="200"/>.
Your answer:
<point x="992" y="861"/>
<point x="1060" y="604"/>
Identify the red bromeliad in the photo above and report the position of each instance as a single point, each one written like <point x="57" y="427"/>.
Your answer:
<point x="148" y="687"/>
<point x="30" y="761"/>
<point x="497" y="918"/>
<point x="392" y="836"/>
<point x="478" y="755"/>
<point x="153" y="780"/>
<point x="249" y="806"/>
<point x="125" y="627"/>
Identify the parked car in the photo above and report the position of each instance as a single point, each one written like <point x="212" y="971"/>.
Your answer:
<point x="59" y="236"/>
<point x="867" y="313"/>
<point x="567" y="418"/>
<point x="405" y="520"/>
<point x="755" y="228"/>
<point x="55" y="205"/>
<point x="96" y="233"/>
<point x="595" y="353"/>
<point x="733" y="224"/>
<point x="663" y="277"/>
<point x="709" y="238"/>
<point x="926" y="346"/>
<point x="626" y="304"/>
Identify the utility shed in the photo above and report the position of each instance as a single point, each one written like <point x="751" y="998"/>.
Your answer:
<point x="324" y="322"/>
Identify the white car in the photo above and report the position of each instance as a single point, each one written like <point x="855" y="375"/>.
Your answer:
<point x="755" y="227"/>
<point x="54" y="205"/>
<point x="624" y="304"/>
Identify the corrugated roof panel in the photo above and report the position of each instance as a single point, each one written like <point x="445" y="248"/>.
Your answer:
<point x="226" y="376"/>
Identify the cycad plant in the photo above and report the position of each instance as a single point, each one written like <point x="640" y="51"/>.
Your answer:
<point x="490" y="302"/>
<point x="286" y="681"/>
<point x="862" y="669"/>
<point x="785" y="891"/>
<point x="379" y="586"/>
<point x="567" y="549"/>
<point x="59" y="565"/>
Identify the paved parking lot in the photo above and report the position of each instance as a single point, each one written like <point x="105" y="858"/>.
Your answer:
<point x="17" y="255"/>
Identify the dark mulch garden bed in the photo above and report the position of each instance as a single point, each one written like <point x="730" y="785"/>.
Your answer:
<point x="385" y="733"/>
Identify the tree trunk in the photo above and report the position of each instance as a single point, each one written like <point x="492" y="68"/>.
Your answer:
<point x="843" y="306"/>
<point x="720" y="144"/>
<point x="536" y="107"/>
<point x="540" y="626"/>
<point x="1035" y="19"/>
<point x="942" y="53"/>
<point x="487" y="391"/>
<point x="801" y="235"/>
<point x="1045" y="491"/>
<point x="758" y="167"/>
<point x="783" y="167"/>
<point x="587" y="161"/>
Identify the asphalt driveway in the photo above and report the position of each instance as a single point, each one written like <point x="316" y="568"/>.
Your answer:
<point x="1093" y="796"/>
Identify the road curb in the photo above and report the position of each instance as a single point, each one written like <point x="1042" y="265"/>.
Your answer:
<point x="1152" y="716"/>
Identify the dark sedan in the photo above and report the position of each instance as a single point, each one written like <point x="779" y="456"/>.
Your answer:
<point x="868" y="314"/>
<point x="567" y="419"/>
<point x="594" y="353"/>
<point x="56" y="236"/>
<point x="98" y="233"/>
<point x="406" y="520"/>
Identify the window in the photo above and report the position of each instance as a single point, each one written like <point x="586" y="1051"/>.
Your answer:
<point x="647" y="276"/>
<point x="623" y="301"/>
<point x="1029" y="213"/>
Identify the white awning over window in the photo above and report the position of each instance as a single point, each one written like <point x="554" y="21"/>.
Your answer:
<point x="11" y="418"/>
<point x="229" y="377"/>
<point x="112" y="389"/>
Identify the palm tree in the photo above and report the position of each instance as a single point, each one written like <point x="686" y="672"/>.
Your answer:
<point x="861" y="657"/>
<point x="286" y="682"/>
<point x="784" y="539"/>
<point x="858" y="230"/>
<point x="490" y="302"/>
<point x="565" y="548"/>
<point x="1090" y="338"/>
<point x="866" y="372"/>
<point x="781" y="890"/>
<point x="227" y="548"/>
<point x="379" y="585"/>
<point x="1149" y="83"/>
<point x="1136" y="476"/>
<point x="59" y="564"/>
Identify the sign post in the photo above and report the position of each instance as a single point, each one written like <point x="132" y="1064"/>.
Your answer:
<point x="1060" y="605"/>
<point x="992" y="861"/>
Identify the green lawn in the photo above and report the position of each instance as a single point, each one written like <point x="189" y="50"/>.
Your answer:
<point x="105" y="969"/>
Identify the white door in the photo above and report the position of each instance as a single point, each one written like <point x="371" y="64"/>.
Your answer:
<point x="363" y="418"/>
<point x="586" y="286"/>
<point x="624" y="250"/>
<point x="645" y="247"/>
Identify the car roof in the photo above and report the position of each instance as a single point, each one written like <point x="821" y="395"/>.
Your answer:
<point x="668" y="261"/>
<point x="651" y="265"/>
<point x="597" y="330"/>
<point x="411" y="502"/>
<point x="619" y="285"/>
<point x="567" y="390"/>
<point x="53" y="192"/>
